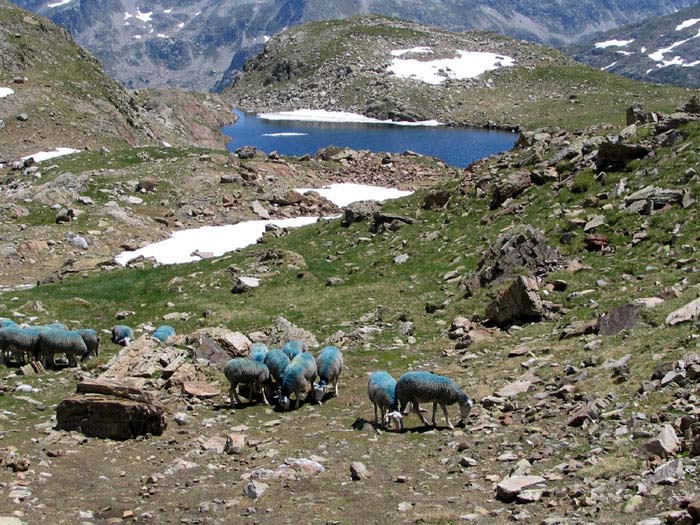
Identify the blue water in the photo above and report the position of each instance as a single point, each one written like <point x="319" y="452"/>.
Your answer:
<point x="455" y="146"/>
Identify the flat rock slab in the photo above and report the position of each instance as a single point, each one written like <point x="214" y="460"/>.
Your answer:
<point x="509" y="489"/>
<point x="200" y="389"/>
<point x="109" y="417"/>
<point x="618" y="319"/>
<point x="686" y="314"/>
<point x="514" y="389"/>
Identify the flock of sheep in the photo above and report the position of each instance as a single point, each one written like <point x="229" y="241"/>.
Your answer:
<point x="271" y="374"/>
<point x="293" y="371"/>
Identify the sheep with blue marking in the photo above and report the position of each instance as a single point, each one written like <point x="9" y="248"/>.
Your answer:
<point x="92" y="340"/>
<point x="54" y="326"/>
<point x="122" y="335"/>
<point x="258" y="352"/>
<point x="294" y="348"/>
<point x="19" y="344"/>
<point x="163" y="333"/>
<point x="298" y="378"/>
<point x="6" y="323"/>
<point x="424" y="387"/>
<point x="249" y="372"/>
<point x="276" y="362"/>
<point x="52" y="342"/>
<point x="381" y="389"/>
<point x="329" y="365"/>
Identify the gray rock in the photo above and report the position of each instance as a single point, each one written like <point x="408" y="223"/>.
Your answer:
<point x="182" y="419"/>
<point x="401" y="259"/>
<point x="689" y="312"/>
<point x="358" y="471"/>
<point x="334" y="281"/>
<point x="669" y="473"/>
<point x="520" y="302"/>
<point x="595" y="222"/>
<point x="514" y="389"/>
<point x="79" y="242"/>
<point x="665" y="444"/>
<point x="255" y="489"/>
<point x="260" y="211"/>
<point x="358" y="212"/>
<point x="284" y="331"/>
<point x="235" y="443"/>
<point x="245" y="284"/>
<point x="509" y="489"/>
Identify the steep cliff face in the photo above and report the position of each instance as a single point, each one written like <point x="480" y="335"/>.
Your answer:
<point x="202" y="43"/>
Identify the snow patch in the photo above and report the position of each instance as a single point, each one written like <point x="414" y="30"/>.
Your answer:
<point x="609" y="66"/>
<point x="137" y="37"/>
<point x="6" y="92"/>
<point x="145" y="17"/>
<point x="343" y="194"/>
<point x="658" y="56"/>
<point x="285" y="134"/>
<point x="181" y="25"/>
<point x="162" y="35"/>
<point x="687" y="23"/>
<point x="46" y="155"/>
<point x="320" y="115"/>
<point x="58" y="4"/>
<point x="168" y="11"/>
<point x="625" y="53"/>
<point x="613" y="43"/>
<point x="469" y="64"/>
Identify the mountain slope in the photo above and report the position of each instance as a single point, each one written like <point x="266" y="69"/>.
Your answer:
<point x="69" y="101"/>
<point x="660" y="49"/>
<point x="364" y="65"/>
<point x="193" y="43"/>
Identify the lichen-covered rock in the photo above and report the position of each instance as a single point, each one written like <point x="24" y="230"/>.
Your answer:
<point x="520" y="302"/>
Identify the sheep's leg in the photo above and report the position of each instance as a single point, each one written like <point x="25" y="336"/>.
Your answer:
<point x="376" y="422"/>
<point x="262" y="390"/>
<point x="296" y="403"/>
<point x="335" y="386"/>
<point x="382" y="410"/>
<point x="434" y="423"/>
<point x="234" y="395"/>
<point x="71" y="360"/>
<point x="417" y="410"/>
<point x="447" y="417"/>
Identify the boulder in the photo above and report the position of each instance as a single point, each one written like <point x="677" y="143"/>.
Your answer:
<point x="509" y="488"/>
<point x="385" y="221"/>
<point x="519" y="302"/>
<point x="510" y="187"/>
<point x="283" y="331"/>
<point x="618" y="319"/>
<point x="358" y="212"/>
<point x="669" y="473"/>
<point x="614" y="156"/>
<point x="217" y="345"/>
<point x="436" y="199"/>
<point x="523" y="248"/>
<point x="123" y="414"/>
<point x="358" y="471"/>
<point x="665" y="444"/>
<point x="689" y="312"/>
<point x="245" y="284"/>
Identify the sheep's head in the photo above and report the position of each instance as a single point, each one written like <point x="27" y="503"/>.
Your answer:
<point x="285" y="402"/>
<point x="319" y="392"/>
<point x="396" y="418"/>
<point x="465" y="407"/>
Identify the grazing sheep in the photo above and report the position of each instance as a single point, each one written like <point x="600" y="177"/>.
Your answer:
<point x="381" y="389"/>
<point x="247" y="371"/>
<point x="20" y="343"/>
<point x="424" y="387"/>
<point x="277" y="362"/>
<point x="298" y="378"/>
<point x="329" y="365"/>
<point x="92" y="340"/>
<point x="163" y="333"/>
<point x="293" y="348"/>
<point x="51" y="342"/>
<point x="6" y="323"/>
<point x="122" y="335"/>
<point x="54" y="326"/>
<point x="258" y="352"/>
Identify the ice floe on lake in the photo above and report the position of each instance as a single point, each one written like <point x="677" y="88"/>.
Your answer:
<point x="320" y="115"/>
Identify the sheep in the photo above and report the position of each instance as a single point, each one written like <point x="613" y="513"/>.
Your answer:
<point x="54" y="326"/>
<point x="18" y="342"/>
<point x="277" y="362"/>
<point x="381" y="389"/>
<point x="122" y="335"/>
<point x="258" y="352"/>
<point x="298" y="377"/>
<point x="252" y="373"/>
<point x="329" y="365"/>
<point x="52" y="341"/>
<point x="163" y="333"/>
<point x="424" y="387"/>
<point x="6" y="323"/>
<point x="294" y="348"/>
<point x="92" y="340"/>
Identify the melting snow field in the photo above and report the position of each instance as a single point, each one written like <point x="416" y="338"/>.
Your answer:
<point x="345" y="194"/>
<point x="285" y="134"/>
<point x="687" y="23"/>
<point x="320" y="115"/>
<point x="613" y="43"/>
<point x="46" y="155"/>
<point x="659" y="56"/>
<point x="469" y="64"/>
<point x="218" y="240"/>
<point x="6" y="92"/>
<point x="58" y="4"/>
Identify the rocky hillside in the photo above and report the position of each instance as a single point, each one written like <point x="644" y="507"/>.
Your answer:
<point x="662" y="49"/>
<point x="390" y="69"/>
<point x="194" y="43"/>
<point x="57" y="95"/>
<point x="556" y="283"/>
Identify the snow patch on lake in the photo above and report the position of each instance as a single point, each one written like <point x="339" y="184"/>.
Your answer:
<point x="344" y="194"/>
<point x="687" y="23"/>
<point x="285" y="134"/>
<point x="183" y="245"/>
<point x="6" y="92"/>
<point x="58" y="4"/>
<point x="46" y="155"/>
<point x="613" y="43"/>
<point x="469" y="64"/>
<point x="339" y="117"/>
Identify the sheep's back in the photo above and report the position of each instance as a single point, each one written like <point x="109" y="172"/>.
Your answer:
<point x="277" y="362"/>
<point x="381" y="389"/>
<point x="242" y="370"/>
<point x="329" y="363"/>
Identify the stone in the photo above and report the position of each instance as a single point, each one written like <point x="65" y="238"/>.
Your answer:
<point x="633" y="504"/>
<point x="334" y="281"/>
<point x="283" y="331"/>
<point x="514" y="389"/>
<point x="509" y="488"/>
<point x="215" y="444"/>
<point x="694" y="510"/>
<point x="468" y="462"/>
<point x="182" y="419"/>
<point x="235" y="443"/>
<point x="199" y="389"/>
<point x="618" y="319"/>
<point x="510" y="187"/>
<point x="110" y="417"/>
<point x="614" y="156"/>
<point x="520" y="302"/>
<point x="530" y="496"/>
<point x="79" y="242"/>
<point x="260" y="210"/>
<point x="596" y="242"/>
<point x="86" y="201"/>
<point x="649" y="302"/>
<point x="358" y="212"/>
<point x="669" y="473"/>
<point x="218" y="345"/>
<point x="695" y="446"/>
<point x="578" y="329"/>
<point x="665" y="444"/>
<point x="245" y="284"/>
<point x="404" y="506"/>
<point x="10" y="520"/>
<point x="255" y="489"/>
<point x="382" y="222"/>
<point x="595" y="222"/>
<point x="436" y="199"/>
<point x="689" y="312"/>
<point x="358" y="471"/>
